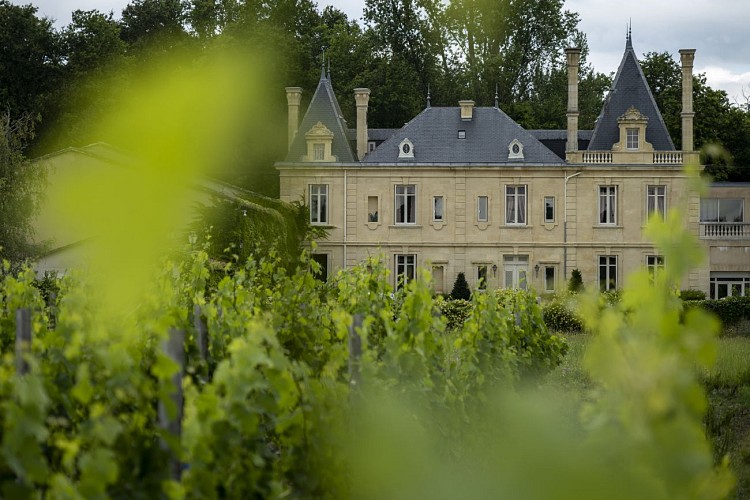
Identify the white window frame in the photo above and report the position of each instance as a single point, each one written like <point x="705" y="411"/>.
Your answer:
<point x="486" y="201"/>
<point x="549" y="220"/>
<point x="318" y="210"/>
<point x="739" y="282"/>
<point x="554" y="278"/>
<point x="631" y="139"/>
<point x="655" y="194"/>
<point x="442" y="208"/>
<point x="607" y="263"/>
<point x="518" y="215"/>
<point x="406" y="265"/>
<point x="607" y="205"/>
<point x="409" y="193"/>
<point x="654" y="264"/>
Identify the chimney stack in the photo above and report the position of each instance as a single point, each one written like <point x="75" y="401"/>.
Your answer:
<point x="573" y="56"/>
<point x="467" y="110"/>
<point x="293" y="98"/>
<point x="687" y="56"/>
<point x="362" y="98"/>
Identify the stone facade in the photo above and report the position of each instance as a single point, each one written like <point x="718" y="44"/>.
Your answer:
<point x="465" y="189"/>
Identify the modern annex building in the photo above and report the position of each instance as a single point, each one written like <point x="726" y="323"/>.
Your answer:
<point x="466" y="189"/>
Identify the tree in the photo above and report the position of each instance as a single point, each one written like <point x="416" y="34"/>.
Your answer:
<point x="575" y="284"/>
<point x="155" y="24"/>
<point x="461" y="289"/>
<point x="29" y="60"/>
<point x="20" y="188"/>
<point x="722" y="131"/>
<point x="91" y="41"/>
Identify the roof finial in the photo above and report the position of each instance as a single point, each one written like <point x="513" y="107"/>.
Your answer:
<point x="497" y="98"/>
<point x="323" y="64"/>
<point x="629" y="35"/>
<point x="428" y="96"/>
<point x="329" y="68"/>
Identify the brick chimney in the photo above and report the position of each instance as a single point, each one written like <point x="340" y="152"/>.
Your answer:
<point x="467" y="110"/>
<point x="293" y="98"/>
<point x="362" y="98"/>
<point x="573" y="56"/>
<point x="687" y="56"/>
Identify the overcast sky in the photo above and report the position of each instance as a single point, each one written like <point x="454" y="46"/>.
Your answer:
<point x="717" y="29"/>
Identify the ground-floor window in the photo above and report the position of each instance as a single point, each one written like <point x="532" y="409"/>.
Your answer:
<point x="438" y="278"/>
<point x="322" y="260"/>
<point x="549" y="278"/>
<point x="482" y="277"/>
<point x="654" y="264"/>
<point x="607" y="272"/>
<point x="728" y="284"/>
<point x="516" y="269"/>
<point x="406" y="267"/>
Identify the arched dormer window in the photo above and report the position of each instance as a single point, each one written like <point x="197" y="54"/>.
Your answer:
<point x="515" y="150"/>
<point x="406" y="149"/>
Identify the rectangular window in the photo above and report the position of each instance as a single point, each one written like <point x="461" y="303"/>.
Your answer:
<point x="438" y="209"/>
<point x="318" y="152"/>
<point x="722" y="210"/>
<point x="727" y="284"/>
<point x="515" y="204"/>
<point x="656" y="201"/>
<point x="319" y="203"/>
<point x="654" y="264"/>
<point x="462" y="134"/>
<point x="372" y="209"/>
<point x="406" y="204"/>
<point x="406" y="266"/>
<point x="482" y="277"/>
<point x="482" y="209"/>
<point x="607" y="272"/>
<point x="549" y="279"/>
<point x="631" y="138"/>
<point x="371" y="146"/>
<point x="607" y="204"/>
<point x="322" y="260"/>
<point x="549" y="209"/>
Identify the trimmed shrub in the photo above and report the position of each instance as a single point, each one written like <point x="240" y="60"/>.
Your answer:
<point x="461" y="288"/>
<point x="729" y="310"/>
<point x="575" y="284"/>
<point x="455" y="312"/>
<point x="692" y="295"/>
<point x="560" y="318"/>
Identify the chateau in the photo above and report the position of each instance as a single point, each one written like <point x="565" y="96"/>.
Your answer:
<point x="466" y="189"/>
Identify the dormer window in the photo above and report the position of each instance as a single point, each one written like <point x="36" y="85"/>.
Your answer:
<point x="319" y="143"/>
<point x="632" y="138"/>
<point x="462" y="134"/>
<point x="632" y="126"/>
<point x="515" y="150"/>
<point x="406" y="149"/>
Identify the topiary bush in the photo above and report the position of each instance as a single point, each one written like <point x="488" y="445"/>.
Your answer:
<point x="461" y="289"/>
<point x="575" y="284"/>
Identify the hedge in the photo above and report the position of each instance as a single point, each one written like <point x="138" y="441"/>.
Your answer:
<point x="729" y="310"/>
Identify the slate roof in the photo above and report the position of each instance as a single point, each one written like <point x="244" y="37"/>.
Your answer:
<point x="324" y="108"/>
<point x="630" y="88"/>
<point x="434" y="134"/>
<point x="557" y="139"/>
<point x="373" y="134"/>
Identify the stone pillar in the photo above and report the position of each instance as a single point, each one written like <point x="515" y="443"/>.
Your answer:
<point x="293" y="98"/>
<point x="573" y="56"/>
<point x="687" y="56"/>
<point x="362" y="98"/>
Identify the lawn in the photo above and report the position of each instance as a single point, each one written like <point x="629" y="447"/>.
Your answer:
<point x="727" y="386"/>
